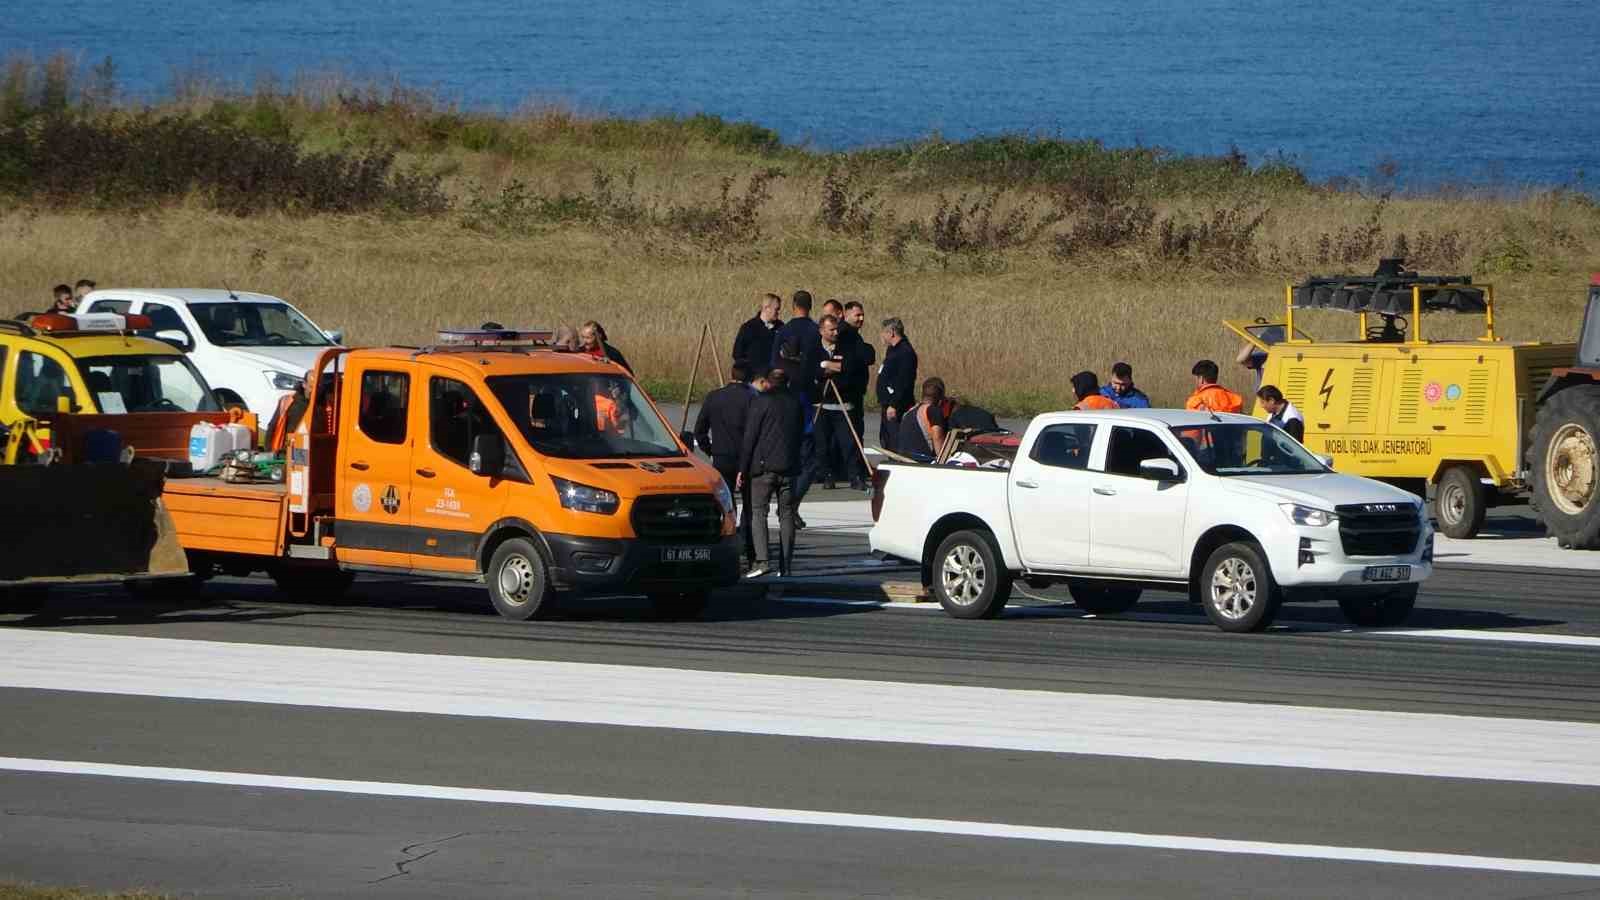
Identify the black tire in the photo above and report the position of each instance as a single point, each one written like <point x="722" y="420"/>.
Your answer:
<point x="1237" y="590"/>
<point x="969" y="579"/>
<point x="1460" y="502"/>
<point x="519" y="580"/>
<point x="1103" y="599"/>
<point x="1379" y="609"/>
<point x="23" y="599"/>
<point x="675" y="606"/>
<point x="312" y="584"/>
<point x="1566" y="488"/>
<point x="185" y="589"/>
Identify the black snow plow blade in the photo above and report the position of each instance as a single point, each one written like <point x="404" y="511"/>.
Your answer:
<point x="86" y="523"/>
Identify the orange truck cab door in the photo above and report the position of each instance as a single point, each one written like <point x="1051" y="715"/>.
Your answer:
<point x="379" y="425"/>
<point x="451" y="507"/>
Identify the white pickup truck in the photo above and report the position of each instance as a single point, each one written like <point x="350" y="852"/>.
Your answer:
<point x="1227" y="508"/>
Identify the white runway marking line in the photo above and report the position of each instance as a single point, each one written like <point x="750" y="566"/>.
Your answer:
<point x="1233" y="733"/>
<point x="1508" y="637"/>
<point x="944" y="827"/>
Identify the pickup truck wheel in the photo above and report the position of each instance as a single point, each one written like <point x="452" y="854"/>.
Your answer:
<point x="519" y="583"/>
<point x="968" y="577"/>
<point x="1461" y="502"/>
<point x="686" y="605"/>
<point x="1237" y="589"/>
<point x="1103" y="599"/>
<point x="1379" y="610"/>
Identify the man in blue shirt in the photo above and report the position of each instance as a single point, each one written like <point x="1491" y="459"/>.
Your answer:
<point x="1121" y="391"/>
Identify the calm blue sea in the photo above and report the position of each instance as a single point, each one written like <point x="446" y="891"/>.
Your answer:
<point x="1484" y="91"/>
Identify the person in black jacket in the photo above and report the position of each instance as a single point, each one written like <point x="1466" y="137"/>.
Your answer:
<point x="800" y="327"/>
<point x="897" y="382"/>
<point x="768" y="464"/>
<point x="719" y="431"/>
<point x="592" y="340"/>
<point x="840" y="366"/>
<point x="752" y="347"/>
<point x="855" y="315"/>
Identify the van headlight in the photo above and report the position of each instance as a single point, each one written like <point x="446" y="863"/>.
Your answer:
<point x="582" y="498"/>
<point x="724" y="497"/>
<point x="283" y="381"/>
<point x="1307" y="515"/>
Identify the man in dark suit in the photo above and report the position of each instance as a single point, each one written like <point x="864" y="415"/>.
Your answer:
<point x="719" y="431"/>
<point x="801" y="327"/>
<point x="842" y="367"/>
<point x="897" y="381"/>
<point x="752" y="347"/>
<point x="768" y="463"/>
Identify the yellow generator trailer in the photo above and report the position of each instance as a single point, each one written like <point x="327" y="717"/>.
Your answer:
<point x="1393" y="405"/>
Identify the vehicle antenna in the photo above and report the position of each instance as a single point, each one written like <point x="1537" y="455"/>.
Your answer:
<point x="231" y="294"/>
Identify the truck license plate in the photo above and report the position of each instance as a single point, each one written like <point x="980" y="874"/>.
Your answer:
<point x="1386" y="573"/>
<point x="685" y="554"/>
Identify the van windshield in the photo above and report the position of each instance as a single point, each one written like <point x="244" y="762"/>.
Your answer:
<point x="581" y="416"/>
<point x="1239" y="449"/>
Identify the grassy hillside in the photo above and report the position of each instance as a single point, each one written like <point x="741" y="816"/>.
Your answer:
<point x="1015" y="261"/>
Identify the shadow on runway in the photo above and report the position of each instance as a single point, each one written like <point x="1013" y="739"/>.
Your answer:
<point x="258" y="600"/>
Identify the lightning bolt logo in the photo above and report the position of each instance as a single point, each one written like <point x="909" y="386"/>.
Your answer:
<point x="1327" y="388"/>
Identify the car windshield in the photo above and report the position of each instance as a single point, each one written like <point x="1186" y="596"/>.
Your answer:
<point x="581" y="416"/>
<point x="256" y="325"/>
<point x="128" y="384"/>
<point x="1234" y="448"/>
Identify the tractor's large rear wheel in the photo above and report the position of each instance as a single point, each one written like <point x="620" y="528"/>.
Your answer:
<point x="1564" y="459"/>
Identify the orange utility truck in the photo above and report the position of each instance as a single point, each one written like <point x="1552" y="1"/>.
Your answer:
<point x="489" y="457"/>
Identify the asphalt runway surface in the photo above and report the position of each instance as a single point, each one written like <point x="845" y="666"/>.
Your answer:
<point x="403" y="741"/>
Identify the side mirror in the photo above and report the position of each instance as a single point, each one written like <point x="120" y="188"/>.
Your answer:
<point x="334" y="334"/>
<point x="1159" y="470"/>
<point x="688" y="439"/>
<point x="176" y="338"/>
<point x="1325" y="460"/>
<point x="488" y="455"/>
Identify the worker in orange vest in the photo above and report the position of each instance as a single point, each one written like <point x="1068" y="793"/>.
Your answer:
<point x="1208" y="395"/>
<point x="1086" y="386"/>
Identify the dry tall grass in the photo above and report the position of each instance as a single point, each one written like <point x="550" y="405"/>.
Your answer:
<point x="1015" y="261"/>
<point x="1010" y="338"/>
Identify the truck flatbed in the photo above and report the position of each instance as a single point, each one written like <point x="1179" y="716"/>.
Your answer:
<point x="212" y="514"/>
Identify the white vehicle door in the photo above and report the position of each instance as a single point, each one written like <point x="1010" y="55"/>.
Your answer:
<point x="1049" y="498"/>
<point x="1137" y="523"/>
